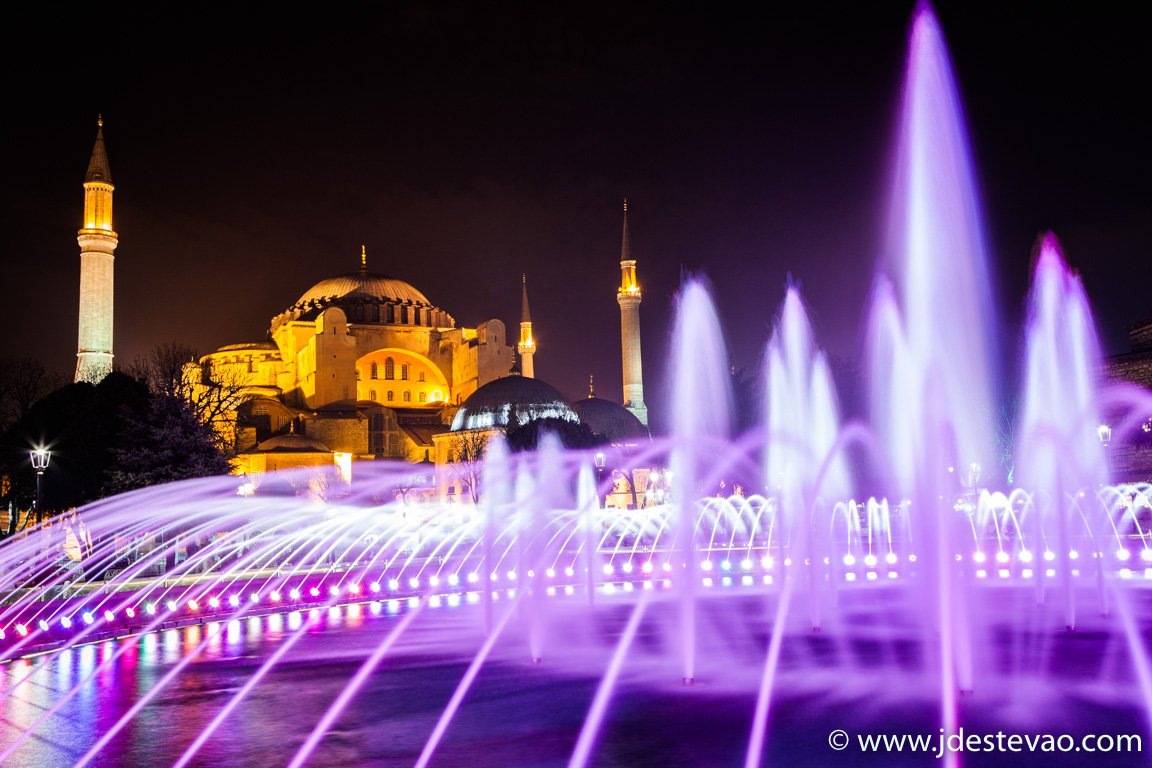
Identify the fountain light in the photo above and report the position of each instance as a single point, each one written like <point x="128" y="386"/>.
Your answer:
<point x="294" y="593"/>
<point x="193" y="605"/>
<point x="234" y="601"/>
<point x="1002" y="556"/>
<point x="511" y="575"/>
<point x="66" y="622"/>
<point x="608" y="569"/>
<point x="550" y="573"/>
<point x="647" y="567"/>
<point x="912" y="558"/>
<point x="1025" y="556"/>
<point x="569" y="571"/>
<point x="453" y="580"/>
<point x="627" y="567"/>
<point x="22" y="630"/>
<point x="254" y="597"/>
<point x="171" y="605"/>
<point x="870" y="560"/>
<point x="1073" y="554"/>
<point x="766" y="562"/>
<point x="1146" y="555"/>
<point x="667" y="567"/>
<point x="977" y="556"/>
<point x="414" y="583"/>
<point x="787" y="562"/>
<point x="130" y="612"/>
<point x="393" y="584"/>
<point x="274" y="596"/>
<point x="849" y="560"/>
<point x="726" y="565"/>
<point x="706" y="565"/>
<point x="891" y="558"/>
<point x="314" y="591"/>
<point x="43" y="624"/>
<point x="213" y="602"/>
<point x="334" y="590"/>
<point x="1123" y="554"/>
<point x="473" y="577"/>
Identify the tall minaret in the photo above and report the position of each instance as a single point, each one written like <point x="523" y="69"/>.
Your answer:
<point x="628" y="297"/>
<point x="97" y="241"/>
<point x="527" y="345"/>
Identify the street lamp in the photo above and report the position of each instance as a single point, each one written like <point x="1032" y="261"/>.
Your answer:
<point x="599" y="461"/>
<point x="40" y="457"/>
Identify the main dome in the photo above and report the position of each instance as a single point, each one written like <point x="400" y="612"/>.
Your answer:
<point x="366" y="285"/>
<point x="367" y="297"/>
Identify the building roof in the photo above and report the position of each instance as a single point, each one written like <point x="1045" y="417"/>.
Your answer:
<point x="292" y="443"/>
<point x="364" y="297"/>
<point x="512" y="398"/>
<point x="610" y="420"/>
<point x="98" y="168"/>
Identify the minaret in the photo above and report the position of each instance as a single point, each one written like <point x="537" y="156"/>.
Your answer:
<point x="527" y="345"/>
<point x="628" y="297"/>
<point x="97" y="241"/>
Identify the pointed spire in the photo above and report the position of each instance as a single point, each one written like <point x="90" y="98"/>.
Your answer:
<point x="625" y="247"/>
<point x="525" y="315"/>
<point x="591" y="387"/>
<point x="515" y="369"/>
<point x="363" y="260"/>
<point x="98" y="169"/>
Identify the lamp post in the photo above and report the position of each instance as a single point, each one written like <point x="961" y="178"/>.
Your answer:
<point x="40" y="457"/>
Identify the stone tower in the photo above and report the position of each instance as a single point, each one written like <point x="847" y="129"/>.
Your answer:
<point x="97" y="241"/>
<point x="527" y="345"/>
<point x="628" y="297"/>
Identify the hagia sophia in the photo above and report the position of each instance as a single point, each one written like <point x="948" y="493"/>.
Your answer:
<point x="363" y="366"/>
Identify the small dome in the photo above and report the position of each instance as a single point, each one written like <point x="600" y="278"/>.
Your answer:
<point x="512" y="398"/>
<point x="249" y="346"/>
<point x="292" y="443"/>
<point x="610" y="420"/>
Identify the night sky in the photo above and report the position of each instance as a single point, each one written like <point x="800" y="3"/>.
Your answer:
<point x="254" y="149"/>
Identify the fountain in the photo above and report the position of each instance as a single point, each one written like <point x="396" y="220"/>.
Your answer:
<point x="185" y="623"/>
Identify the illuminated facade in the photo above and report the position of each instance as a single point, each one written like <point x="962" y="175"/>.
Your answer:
<point x="97" y="242"/>
<point x="628" y="297"/>
<point x="361" y="364"/>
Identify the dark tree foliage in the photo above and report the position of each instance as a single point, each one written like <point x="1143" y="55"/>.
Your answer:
<point x="526" y="436"/>
<point x="80" y="424"/>
<point x="161" y="443"/>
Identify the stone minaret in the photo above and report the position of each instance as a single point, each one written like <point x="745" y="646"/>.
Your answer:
<point x="628" y="297"/>
<point x="527" y="345"/>
<point x="97" y="241"/>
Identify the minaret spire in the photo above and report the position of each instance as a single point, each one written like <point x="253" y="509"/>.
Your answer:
<point x="591" y="387"/>
<point x="527" y="344"/>
<point x="628" y="297"/>
<point x="97" y="241"/>
<point x="363" y="260"/>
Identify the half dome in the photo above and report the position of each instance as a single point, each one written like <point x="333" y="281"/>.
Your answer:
<point x="610" y="420"/>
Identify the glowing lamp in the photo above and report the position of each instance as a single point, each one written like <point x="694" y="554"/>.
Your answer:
<point x="65" y="622"/>
<point x="109" y="616"/>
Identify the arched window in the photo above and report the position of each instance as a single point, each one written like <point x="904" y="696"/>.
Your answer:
<point x="423" y="397"/>
<point x="390" y="397"/>
<point x="421" y="377"/>
<point x="407" y="396"/>
<point x="404" y="372"/>
<point x="372" y="395"/>
<point x="389" y="368"/>
<point x="375" y="371"/>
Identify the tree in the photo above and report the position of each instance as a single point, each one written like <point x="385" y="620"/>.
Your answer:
<point x="23" y="381"/>
<point x="172" y="370"/>
<point x="466" y="453"/>
<point x="163" y="442"/>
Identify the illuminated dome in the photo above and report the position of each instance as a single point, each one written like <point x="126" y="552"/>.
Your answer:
<point x="610" y="420"/>
<point x="367" y="297"/>
<point x="512" y="398"/>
